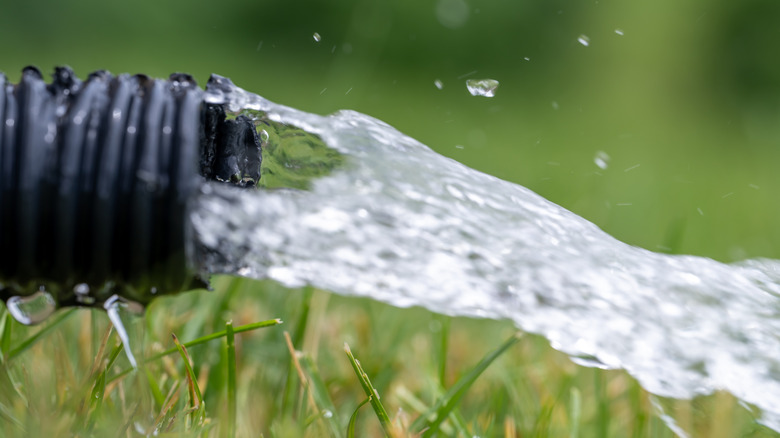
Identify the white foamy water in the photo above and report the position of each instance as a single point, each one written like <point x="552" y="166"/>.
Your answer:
<point x="404" y="225"/>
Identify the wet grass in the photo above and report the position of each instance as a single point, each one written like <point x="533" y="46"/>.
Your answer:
<point x="221" y="364"/>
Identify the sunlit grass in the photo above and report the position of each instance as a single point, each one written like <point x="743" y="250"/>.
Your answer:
<point x="239" y="372"/>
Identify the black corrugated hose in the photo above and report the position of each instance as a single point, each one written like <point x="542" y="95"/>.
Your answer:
<point x="97" y="178"/>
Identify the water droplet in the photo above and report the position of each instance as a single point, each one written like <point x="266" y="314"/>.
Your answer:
<point x="619" y="32"/>
<point x="114" y="306"/>
<point x="438" y="83"/>
<point x="317" y="37"/>
<point x="452" y="13"/>
<point x="82" y="294"/>
<point x="327" y="414"/>
<point x="527" y="58"/>
<point x="584" y="40"/>
<point x="31" y="309"/>
<point x="482" y="87"/>
<point x="601" y="159"/>
<point x="264" y="135"/>
<point x="555" y="105"/>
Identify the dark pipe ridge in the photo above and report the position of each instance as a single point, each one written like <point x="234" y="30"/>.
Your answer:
<point x="96" y="179"/>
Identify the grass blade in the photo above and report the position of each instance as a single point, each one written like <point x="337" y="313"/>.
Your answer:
<point x="353" y="419"/>
<point x="445" y="405"/>
<point x="372" y="394"/>
<point x="196" y="398"/>
<point x="7" y="416"/>
<point x="99" y="388"/>
<point x="444" y="334"/>
<point x="217" y="335"/>
<point x="442" y="342"/>
<point x="289" y="389"/>
<point x="29" y="342"/>
<point x="157" y="394"/>
<point x="575" y="412"/>
<point x="303" y="319"/>
<point x="231" y="379"/>
<point x="5" y="339"/>
<point x="314" y="388"/>
<point x="203" y="340"/>
<point x="602" y="410"/>
<point x="542" y="425"/>
<point x="165" y="411"/>
<point x="320" y="393"/>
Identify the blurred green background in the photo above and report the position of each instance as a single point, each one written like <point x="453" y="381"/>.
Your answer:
<point x="683" y="96"/>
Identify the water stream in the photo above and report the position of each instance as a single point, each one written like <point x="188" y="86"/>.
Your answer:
<point x="396" y="222"/>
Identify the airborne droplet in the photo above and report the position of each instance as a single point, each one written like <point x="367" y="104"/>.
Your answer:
<point x="317" y="37"/>
<point x="482" y="87"/>
<point x="601" y="160"/>
<point x="584" y="40"/>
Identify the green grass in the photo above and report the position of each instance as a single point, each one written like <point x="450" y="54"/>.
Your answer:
<point x="238" y="372"/>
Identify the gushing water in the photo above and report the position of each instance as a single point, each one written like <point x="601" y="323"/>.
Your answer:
<point x="401" y="224"/>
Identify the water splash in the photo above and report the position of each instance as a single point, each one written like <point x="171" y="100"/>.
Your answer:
<point x="116" y="307"/>
<point x="401" y="224"/>
<point x="32" y="309"/>
<point x="482" y="87"/>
